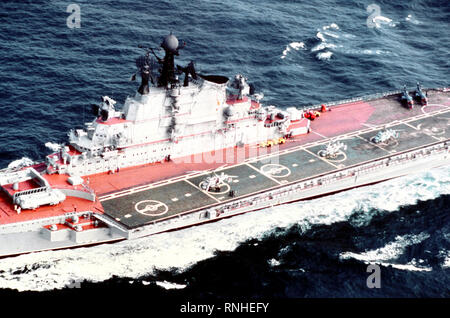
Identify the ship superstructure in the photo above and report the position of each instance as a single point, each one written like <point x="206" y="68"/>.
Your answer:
<point x="173" y="118"/>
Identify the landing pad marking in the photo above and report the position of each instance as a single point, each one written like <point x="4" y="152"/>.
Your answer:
<point x="428" y="131"/>
<point x="385" y="144"/>
<point x="272" y="170"/>
<point x="220" y="185"/>
<point x="201" y="190"/>
<point x="338" y="154"/>
<point x="321" y="158"/>
<point x="376" y="145"/>
<point x="152" y="206"/>
<point x="227" y="188"/>
<point x="261" y="172"/>
<point x="432" y="105"/>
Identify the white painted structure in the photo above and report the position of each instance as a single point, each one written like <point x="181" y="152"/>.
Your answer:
<point x="207" y="115"/>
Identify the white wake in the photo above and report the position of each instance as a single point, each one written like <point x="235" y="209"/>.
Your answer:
<point x="181" y="249"/>
<point x="388" y="254"/>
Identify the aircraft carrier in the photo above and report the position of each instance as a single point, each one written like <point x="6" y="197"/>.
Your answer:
<point x="183" y="153"/>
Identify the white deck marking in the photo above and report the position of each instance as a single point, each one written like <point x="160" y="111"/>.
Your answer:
<point x="203" y="191"/>
<point x="323" y="159"/>
<point x="314" y="132"/>
<point x="378" y="146"/>
<point x="419" y="128"/>
<point x="412" y="126"/>
<point x="432" y="105"/>
<point x="262" y="173"/>
<point x="273" y="170"/>
<point x="369" y="125"/>
<point x="174" y="199"/>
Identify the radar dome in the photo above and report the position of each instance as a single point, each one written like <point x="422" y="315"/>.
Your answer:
<point x="170" y="42"/>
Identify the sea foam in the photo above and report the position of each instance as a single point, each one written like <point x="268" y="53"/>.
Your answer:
<point x="180" y="250"/>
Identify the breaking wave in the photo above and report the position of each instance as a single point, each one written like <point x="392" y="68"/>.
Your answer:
<point x="294" y="45"/>
<point x="25" y="161"/>
<point x="380" y="20"/>
<point x="324" y="47"/>
<point x="169" y="285"/>
<point x="53" y="146"/>
<point x="412" y="19"/>
<point x="331" y="39"/>
<point x="324" y="55"/>
<point x="181" y="249"/>
<point x="388" y="254"/>
<point x="446" y="262"/>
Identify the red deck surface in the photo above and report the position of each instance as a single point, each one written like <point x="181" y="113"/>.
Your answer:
<point x="8" y="215"/>
<point x="343" y="119"/>
<point x="24" y="185"/>
<point x="112" y="121"/>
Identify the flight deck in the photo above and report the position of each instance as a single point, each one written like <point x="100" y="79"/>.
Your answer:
<point x="135" y="207"/>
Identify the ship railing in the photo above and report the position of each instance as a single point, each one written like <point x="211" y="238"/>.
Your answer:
<point x="363" y="98"/>
<point x="111" y="222"/>
<point x="31" y="191"/>
<point x="320" y="180"/>
<point x="38" y="223"/>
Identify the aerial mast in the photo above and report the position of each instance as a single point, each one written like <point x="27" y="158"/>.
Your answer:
<point x="171" y="46"/>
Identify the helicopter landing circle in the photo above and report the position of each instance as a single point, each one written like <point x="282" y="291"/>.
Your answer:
<point x="431" y="105"/>
<point x="275" y="170"/>
<point x="433" y="131"/>
<point x="393" y="143"/>
<point x="337" y="158"/>
<point x="227" y="188"/>
<point x="151" y="208"/>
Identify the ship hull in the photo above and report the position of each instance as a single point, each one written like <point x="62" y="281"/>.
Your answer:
<point x="19" y="242"/>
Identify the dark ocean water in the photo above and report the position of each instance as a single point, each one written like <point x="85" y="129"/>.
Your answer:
<point x="297" y="53"/>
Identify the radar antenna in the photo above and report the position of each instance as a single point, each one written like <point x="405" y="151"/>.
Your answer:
<point x="188" y="70"/>
<point x="171" y="47"/>
<point x="145" y="65"/>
